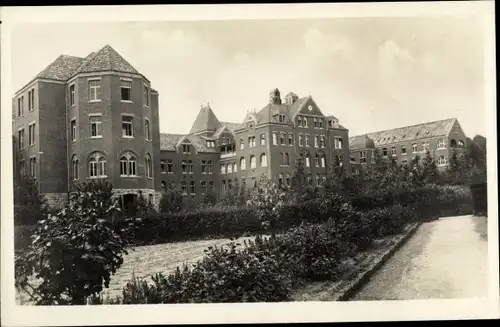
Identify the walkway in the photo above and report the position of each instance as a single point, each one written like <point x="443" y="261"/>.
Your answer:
<point x="446" y="258"/>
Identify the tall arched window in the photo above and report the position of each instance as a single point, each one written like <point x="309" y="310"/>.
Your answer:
<point x="323" y="160"/>
<point x="75" y="167"/>
<point x="280" y="180"/>
<point x="149" y="166"/>
<point x="287" y="159"/>
<point x="316" y="160"/>
<point x="253" y="162"/>
<point x="243" y="163"/>
<point x="263" y="160"/>
<point x="97" y="165"/>
<point x="128" y="164"/>
<point x="308" y="160"/>
<point x="229" y="168"/>
<point x="441" y="144"/>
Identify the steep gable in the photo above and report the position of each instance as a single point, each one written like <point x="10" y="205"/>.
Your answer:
<point x="308" y="107"/>
<point x="205" y="121"/>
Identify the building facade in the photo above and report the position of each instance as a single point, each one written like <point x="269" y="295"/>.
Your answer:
<point x="441" y="138"/>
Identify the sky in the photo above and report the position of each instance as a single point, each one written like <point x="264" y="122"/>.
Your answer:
<point x="371" y="73"/>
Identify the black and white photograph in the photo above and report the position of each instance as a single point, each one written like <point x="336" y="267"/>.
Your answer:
<point x="274" y="163"/>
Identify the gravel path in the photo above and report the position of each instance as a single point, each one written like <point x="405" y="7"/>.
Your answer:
<point x="446" y="258"/>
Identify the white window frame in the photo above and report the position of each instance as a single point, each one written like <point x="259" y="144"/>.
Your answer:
<point x="33" y="166"/>
<point x="253" y="163"/>
<point x="263" y="160"/>
<point x="94" y="90"/>
<point x="72" y="95"/>
<point x="31" y="133"/>
<point x="98" y="124"/>
<point x="131" y="123"/>
<point x="128" y="162"/>
<point x="442" y="161"/>
<point x="338" y="142"/>
<point x="414" y="147"/>
<point x="20" y="136"/>
<point x="146" y="96"/>
<point x="149" y="166"/>
<point x="73" y="129"/>
<point x="441" y="144"/>
<point x="129" y="87"/>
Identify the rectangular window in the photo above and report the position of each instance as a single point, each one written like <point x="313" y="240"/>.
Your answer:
<point x="315" y="123"/>
<point x="203" y="167"/>
<point x="322" y="141"/>
<point x="262" y="139"/>
<point x="127" y="126"/>
<point x="33" y="167"/>
<point x="163" y="166"/>
<point x="304" y="122"/>
<point x="301" y="140"/>
<point x="203" y="185"/>
<point x="125" y="88"/>
<point x="31" y="134"/>
<point x="251" y="141"/>
<point x="425" y="146"/>
<point x="316" y="141"/>
<point x="146" y="96"/>
<point x="209" y="167"/>
<point x="22" y="167"/>
<point x="186" y="149"/>
<point x="147" y="130"/>
<point x="414" y="148"/>
<point x="275" y="139"/>
<point x="95" y="126"/>
<point x="31" y="100"/>
<point x="184" y="166"/>
<point x="72" y="95"/>
<point x="73" y="130"/>
<point x="320" y="123"/>
<point x="307" y="140"/>
<point x="282" y="139"/>
<point x="192" y="187"/>
<point x="190" y="167"/>
<point x="338" y="143"/>
<point x="184" y="188"/>
<point x="94" y="91"/>
<point x="170" y="166"/>
<point x="393" y="151"/>
<point x="384" y="152"/>
<point x="290" y="139"/>
<point x="20" y="137"/>
<point x="20" y="104"/>
<point x="242" y="144"/>
<point x="362" y="157"/>
<point x="403" y="150"/>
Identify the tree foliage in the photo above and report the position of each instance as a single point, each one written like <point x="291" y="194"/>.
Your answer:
<point x="29" y="205"/>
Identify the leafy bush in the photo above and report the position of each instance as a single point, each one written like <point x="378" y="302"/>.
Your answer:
<point x="74" y="253"/>
<point x="29" y="205"/>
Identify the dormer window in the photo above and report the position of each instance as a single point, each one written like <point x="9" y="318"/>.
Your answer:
<point x="330" y="123"/>
<point x="281" y="118"/>
<point x="210" y="144"/>
<point x="186" y="149"/>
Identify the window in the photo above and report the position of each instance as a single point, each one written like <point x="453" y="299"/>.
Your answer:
<point x="22" y="167"/>
<point x="170" y="167"/>
<point x="126" y="87"/>
<point x="322" y="141"/>
<point x="262" y="139"/>
<point x="362" y="157"/>
<point x="242" y="144"/>
<point x="94" y="91"/>
<point x="33" y="167"/>
<point x="72" y="95"/>
<point x="229" y="168"/>
<point x="243" y="164"/>
<point x="323" y="161"/>
<point x="184" y="188"/>
<point x="320" y="123"/>
<point x="210" y="144"/>
<point x="441" y="144"/>
<point x="31" y="134"/>
<point x="308" y="161"/>
<point x="290" y="139"/>
<point x="146" y="96"/>
<point x="301" y="140"/>
<point x="280" y="180"/>
<point x="263" y="160"/>
<point x="460" y="144"/>
<point x="163" y="166"/>
<point x="316" y="141"/>
<point x="425" y="146"/>
<point x="184" y="166"/>
<point x="73" y="130"/>
<point x="384" y="152"/>
<point x="304" y="121"/>
<point x="186" y="149"/>
<point x="147" y="130"/>
<point x="253" y="162"/>
<point x="442" y="161"/>
<point x="288" y="180"/>
<point x="97" y="165"/>
<point x="209" y="167"/>
<point x="190" y="167"/>
<point x="211" y="185"/>
<point x="192" y="188"/>
<point x="149" y="166"/>
<point x="20" y="109"/>
<point x="318" y="180"/>
<point x="127" y="126"/>
<point x="95" y="126"/>
<point x="281" y="118"/>
<point x="251" y="141"/>
<point x="223" y="169"/>
<point x="128" y="164"/>
<point x="307" y="140"/>
<point x="393" y="151"/>
<point x="203" y="185"/>
<point x="75" y="167"/>
<point x="316" y="160"/>
<point x="275" y="139"/>
<point x="31" y="100"/>
<point x="285" y="159"/>
<point x="229" y="184"/>
<point x="338" y="143"/>
<point x="315" y="123"/>
<point x="235" y="169"/>
<point x="282" y="139"/>
<point x="404" y="162"/>
<point x="223" y="185"/>
<point x="203" y="167"/>
<point x="414" y="148"/>
<point x="20" y="136"/>
<point x="455" y="129"/>
<point x="372" y="157"/>
<point x="403" y="150"/>
<point x="309" y="179"/>
<point x="299" y="121"/>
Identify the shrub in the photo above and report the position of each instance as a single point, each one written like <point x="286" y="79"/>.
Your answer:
<point x="29" y="205"/>
<point x="74" y="253"/>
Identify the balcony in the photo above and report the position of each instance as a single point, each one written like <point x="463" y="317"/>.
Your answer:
<point x="227" y="155"/>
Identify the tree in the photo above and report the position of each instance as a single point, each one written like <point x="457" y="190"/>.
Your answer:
<point x="29" y="205"/>
<point x="171" y="200"/>
<point x="430" y="173"/>
<point x="298" y="183"/>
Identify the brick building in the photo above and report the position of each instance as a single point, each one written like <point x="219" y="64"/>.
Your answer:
<point x="97" y="117"/>
<point x="403" y="144"/>
<point x="88" y="118"/>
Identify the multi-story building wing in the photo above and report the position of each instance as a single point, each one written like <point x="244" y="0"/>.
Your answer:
<point x="88" y="118"/>
<point x="441" y="138"/>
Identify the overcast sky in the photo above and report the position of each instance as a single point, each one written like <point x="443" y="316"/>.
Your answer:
<point x="371" y="73"/>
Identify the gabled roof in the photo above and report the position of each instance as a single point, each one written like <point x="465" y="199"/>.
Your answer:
<point x="413" y="132"/>
<point x="106" y="59"/>
<point x="361" y="142"/>
<point x="205" y="121"/>
<point x="170" y="142"/>
<point x="266" y="113"/>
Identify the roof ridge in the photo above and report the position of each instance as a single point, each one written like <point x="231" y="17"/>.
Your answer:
<point x="408" y="126"/>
